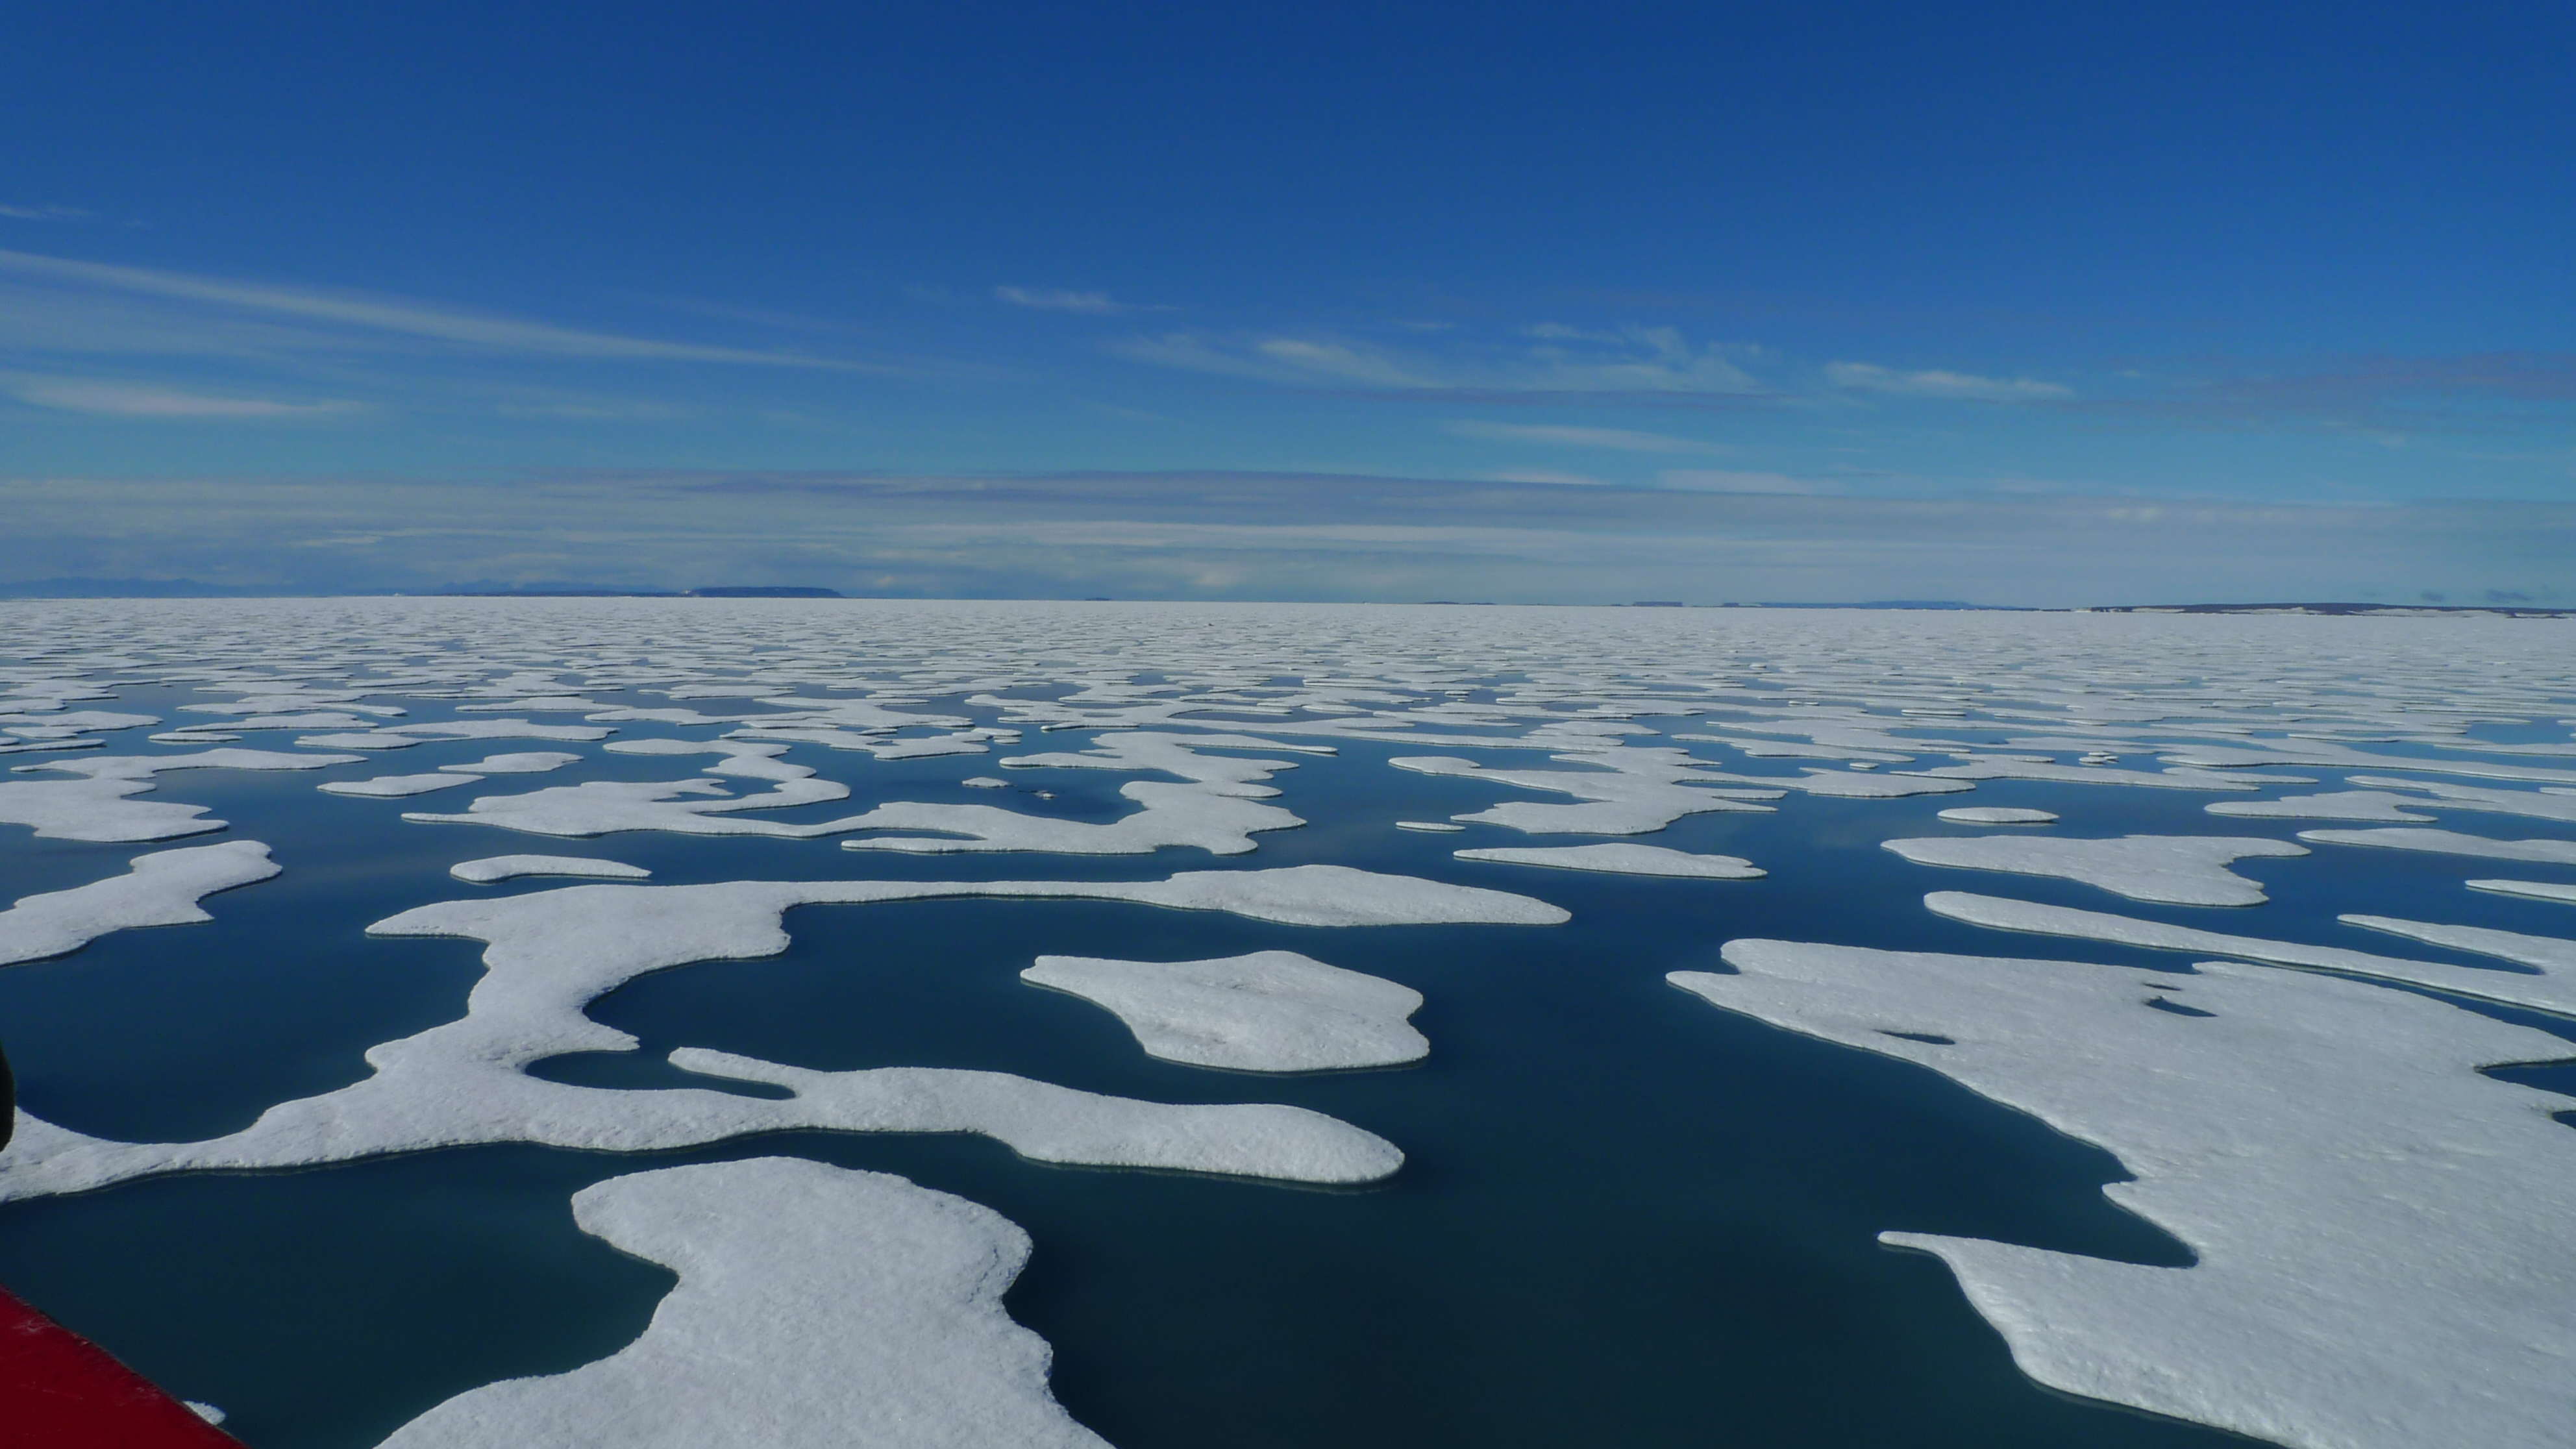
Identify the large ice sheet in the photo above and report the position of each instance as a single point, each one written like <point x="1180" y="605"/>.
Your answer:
<point x="817" y="1308"/>
<point x="2384" y="1259"/>
<point x="162" y="889"/>
<point x="2182" y="870"/>
<point x="1270" y="1011"/>
<point x="1620" y="858"/>
<point x="2539" y="991"/>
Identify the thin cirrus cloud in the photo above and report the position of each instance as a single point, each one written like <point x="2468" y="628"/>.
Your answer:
<point x="1542" y="360"/>
<point x="46" y="212"/>
<point x="1936" y="383"/>
<point x="333" y="318"/>
<point x="128" y="400"/>
<point x="1059" y="299"/>
<point x="1721" y="480"/>
<point x="1624" y="440"/>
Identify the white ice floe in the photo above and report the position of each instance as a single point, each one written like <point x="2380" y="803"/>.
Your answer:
<point x="1844" y="785"/>
<point x="1998" y="767"/>
<point x="510" y="867"/>
<point x="2181" y="870"/>
<point x="402" y="736"/>
<point x="1632" y="791"/>
<point x="550" y="953"/>
<point x="2538" y="890"/>
<point x="397" y="786"/>
<point x="1270" y="1011"/>
<point x="985" y="782"/>
<point x="817" y="1308"/>
<point x="1620" y="858"/>
<point x="1437" y="827"/>
<point x="2541" y="953"/>
<point x="2332" y="805"/>
<point x="2383" y="1256"/>
<point x="2545" y="803"/>
<point x="1997" y="815"/>
<point x="2539" y="991"/>
<point x="162" y="889"/>
<point x="2450" y="842"/>
<point x="96" y="806"/>
<point x="529" y="762"/>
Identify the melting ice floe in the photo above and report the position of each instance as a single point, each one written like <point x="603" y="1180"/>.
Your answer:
<point x="1998" y="815"/>
<point x="510" y="867"/>
<point x="2532" y="889"/>
<point x="397" y="786"/>
<point x="2182" y="870"/>
<point x="1620" y="858"/>
<point x="2539" y="990"/>
<point x="2541" y="953"/>
<point x="848" y="1308"/>
<point x="552" y="952"/>
<point x="162" y="889"/>
<point x="2385" y="1261"/>
<point x="1270" y="1011"/>
<point x="96" y="806"/>
<point x="1635" y="792"/>
<point x="2450" y="842"/>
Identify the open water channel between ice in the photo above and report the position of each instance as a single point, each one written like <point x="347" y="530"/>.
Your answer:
<point x="1630" y="1210"/>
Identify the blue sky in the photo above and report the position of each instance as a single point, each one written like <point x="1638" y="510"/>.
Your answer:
<point x="2025" y="304"/>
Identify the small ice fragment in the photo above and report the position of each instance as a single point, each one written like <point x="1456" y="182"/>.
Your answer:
<point x="1998" y="815"/>
<point x="987" y="782"/>
<point x="395" y="786"/>
<point x="207" y="1412"/>
<point x="1622" y="859"/>
<point x="505" y="867"/>
<point x="532" y="762"/>
<point x="1442" y="826"/>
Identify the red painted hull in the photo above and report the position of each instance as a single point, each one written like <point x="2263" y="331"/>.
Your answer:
<point x="58" y="1390"/>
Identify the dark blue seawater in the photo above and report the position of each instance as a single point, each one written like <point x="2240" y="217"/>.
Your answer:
<point x="1626" y="1217"/>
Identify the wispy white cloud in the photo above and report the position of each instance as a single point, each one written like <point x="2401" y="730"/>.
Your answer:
<point x="1543" y="475"/>
<point x="1720" y="480"/>
<point x="1540" y="360"/>
<point x="1625" y="440"/>
<point x="1057" y="299"/>
<point x="47" y="212"/>
<point x="365" y="313"/>
<point x="1869" y="377"/>
<point x="129" y="400"/>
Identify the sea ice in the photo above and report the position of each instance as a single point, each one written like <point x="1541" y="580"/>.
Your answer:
<point x="1997" y="815"/>
<point x="531" y="762"/>
<point x="1270" y="1011"/>
<point x="395" y="786"/>
<point x="2540" y="992"/>
<point x="1635" y="791"/>
<point x="1440" y="827"/>
<point x="2450" y="842"/>
<point x="2181" y="870"/>
<point x="2538" y="890"/>
<point x="1621" y="858"/>
<point x="162" y="889"/>
<point x="2333" y="805"/>
<point x="509" y="867"/>
<point x="96" y="807"/>
<point x="2383" y="1257"/>
<point x="817" y="1308"/>
<point x="2541" y="953"/>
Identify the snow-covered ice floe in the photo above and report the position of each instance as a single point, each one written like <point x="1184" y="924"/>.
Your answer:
<point x="2537" y="990"/>
<point x="1435" y="827"/>
<point x="396" y="786"/>
<point x="1270" y="1011"/>
<point x="1633" y="792"/>
<point x="509" y="867"/>
<point x="2538" y="890"/>
<point x="2384" y="1258"/>
<point x="96" y="806"/>
<point x="817" y="1308"/>
<point x="550" y="953"/>
<point x="162" y="889"/>
<point x="2451" y="842"/>
<point x="1998" y="815"/>
<point x="1620" y="858"/>
<point x="2181" y="870"/>
<point x="2540" y="953"/>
